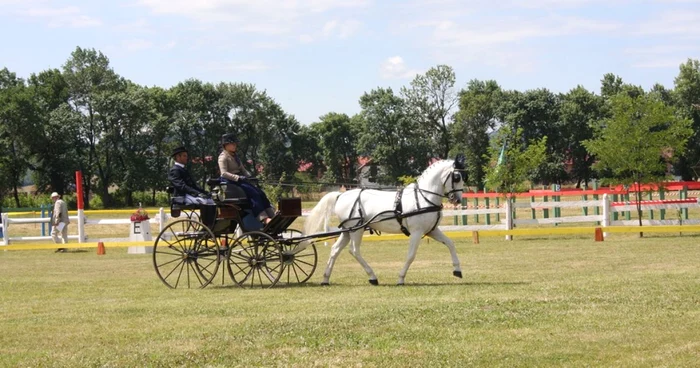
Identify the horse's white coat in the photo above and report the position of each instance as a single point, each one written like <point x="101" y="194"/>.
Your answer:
<point x="430" y="188"/>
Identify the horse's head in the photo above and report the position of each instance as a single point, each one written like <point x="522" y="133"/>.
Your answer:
<point x="454" y="181"/>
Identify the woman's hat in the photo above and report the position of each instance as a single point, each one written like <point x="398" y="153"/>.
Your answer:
<point x="54" y="194"/>
<point x="228" y="138"/>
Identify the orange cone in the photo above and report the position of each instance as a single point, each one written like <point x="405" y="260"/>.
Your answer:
<point x="100" y="249"/>
<point x="475" y="237"/>
<point x="598" y="234"/>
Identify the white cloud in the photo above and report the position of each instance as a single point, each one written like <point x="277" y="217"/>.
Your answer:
<point x="136" y="45"/>
<point x="140" y="26"/>
<point x="278" y="18"/>
<point x="69" y="16"/>
<point x="659" y="63"/>
<point x="170" y="45"/>
<point x="254" y="66"/>
<point x="395" y="68"/>
<point x="678" y="23"/>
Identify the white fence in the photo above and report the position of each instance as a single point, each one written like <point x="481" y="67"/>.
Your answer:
<point x="81" y="220"/>
<point x="607" y="208"/>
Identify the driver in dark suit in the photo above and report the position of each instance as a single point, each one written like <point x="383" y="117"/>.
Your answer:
<point x="183" y="183"/>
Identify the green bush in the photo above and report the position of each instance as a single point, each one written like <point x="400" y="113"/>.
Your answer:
<point x="96" y="202"/>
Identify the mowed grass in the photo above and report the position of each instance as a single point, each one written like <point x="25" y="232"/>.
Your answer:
<point x="625" y="302"/>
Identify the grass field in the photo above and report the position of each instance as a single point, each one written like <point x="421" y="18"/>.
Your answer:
<point x="625" y="302"/>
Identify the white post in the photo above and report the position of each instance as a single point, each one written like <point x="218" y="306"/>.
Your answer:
<point x="161" y="219"/>
<point x="606" y="213"/>
<point x="81" y="226"/>
<point x="509" y="216"/>
<point x="5" y="236"/>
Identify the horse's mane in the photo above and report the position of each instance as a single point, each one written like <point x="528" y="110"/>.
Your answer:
<point x="432" y="168"/>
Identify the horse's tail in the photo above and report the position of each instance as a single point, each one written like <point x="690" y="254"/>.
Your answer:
<point x="321" y="214"/>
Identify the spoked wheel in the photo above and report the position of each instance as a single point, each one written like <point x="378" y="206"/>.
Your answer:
<point x="186" y="254"/>
<point x="255" y="260"/>
<point x="226" y="243"/>
<point x="299" y="262"/>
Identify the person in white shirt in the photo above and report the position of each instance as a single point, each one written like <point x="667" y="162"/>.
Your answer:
<point x="59" y="221"/>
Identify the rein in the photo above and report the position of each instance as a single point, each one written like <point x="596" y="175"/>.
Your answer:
<point x="397" y="212"/>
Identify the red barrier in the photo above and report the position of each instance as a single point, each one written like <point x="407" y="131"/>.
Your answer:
<point x="79" y="188"/>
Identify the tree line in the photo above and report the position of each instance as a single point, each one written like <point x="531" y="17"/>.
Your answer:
<point x="87" y="117"/>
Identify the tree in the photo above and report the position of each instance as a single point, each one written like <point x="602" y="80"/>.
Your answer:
<point x="337" y="140"/>
<point x="91" y="82"/>
<point x="52" y="132"/>
<point x="16" y="109"/>
<point x="476" y="118"/>
<point x="637" y="142"/>
<point x="579" y="109"/>
<point x="687" y="92"/>
<point x="390" y="137"/>
<point x="514" y="161"/>
<point x="537" y="113"/>
<point x="431" y="100"/>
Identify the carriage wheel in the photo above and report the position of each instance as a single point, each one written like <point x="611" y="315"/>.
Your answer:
<point x="255" y="260"/>
<point x="186" y="254"/>
<point x="226" y="243"/>
<point x="299" y="263"/>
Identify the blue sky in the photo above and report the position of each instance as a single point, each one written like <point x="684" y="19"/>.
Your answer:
<point x="318" y="56"/>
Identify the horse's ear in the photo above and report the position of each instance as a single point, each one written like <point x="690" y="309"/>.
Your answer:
<point x="460" y="162"/>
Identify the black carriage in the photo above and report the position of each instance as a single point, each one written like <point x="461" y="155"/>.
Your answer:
<point x="190" y="251"/>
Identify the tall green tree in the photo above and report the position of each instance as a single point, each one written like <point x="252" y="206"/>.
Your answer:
<point x="16" y="109"/>
<point x="52" y="132"/>
<point x="579" y="110"/>
<point x="513" y="161"/>
<point x="337" y="140"/>
<point x="431" y="100"/>
<point x="92" y="82"/>
<point x="476" y="118"/>
<point x="391" y="137"/>
<point x="537" y="113"/>
<point x="637" y="142"/>
<point x="687" y="92"/>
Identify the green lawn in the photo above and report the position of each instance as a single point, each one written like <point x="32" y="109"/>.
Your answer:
<point x="625" y="302"/>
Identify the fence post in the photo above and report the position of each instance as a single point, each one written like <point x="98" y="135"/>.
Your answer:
<point x="162" y="219"/>
<point x="488" y="215"/>
<point x="509" y="216"/>
<point x="43" y="225"/>
<point x="684" y="195"/>
<point x="5" y="230"/>
<point x="546" y="210"/>
<point x="596" y="210"/>
<point x="662" y="195"/>
<point x="465" y="205"/>
<point x="81" y="215"/>
<point x="606" y="213"/>
<point x="651" y="212"/>
<point x="498" y="214"/>
<point x="585" y="198"/>
<point x="628" y="216"/>
<point x="476" y="206"/>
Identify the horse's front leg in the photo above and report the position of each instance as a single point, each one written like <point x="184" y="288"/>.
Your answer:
<point x="438" y="235"/>
<point x="335" y="251"/>
<point x="414" y="240"/>
<point x="355" y="251"/>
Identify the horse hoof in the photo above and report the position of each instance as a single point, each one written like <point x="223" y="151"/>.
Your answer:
<point x="374" y="282"/>
<point x="325" y="284"/>
<point x="399" y="284"/>
<point x="457" y="274"/>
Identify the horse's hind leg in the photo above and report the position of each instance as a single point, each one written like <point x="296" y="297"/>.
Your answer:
<point x="438" y="235"/>
<point x="335" y="251"/>
<point x="414" y="240"/>
<point x="355" y="251"/>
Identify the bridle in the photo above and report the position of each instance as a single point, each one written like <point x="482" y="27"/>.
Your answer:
<point x="455" y="177"/>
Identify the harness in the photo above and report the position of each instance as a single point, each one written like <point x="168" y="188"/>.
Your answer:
<point x="397" y="212"/>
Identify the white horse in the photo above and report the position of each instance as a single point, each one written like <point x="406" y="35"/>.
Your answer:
<point x="414" y="210"/>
